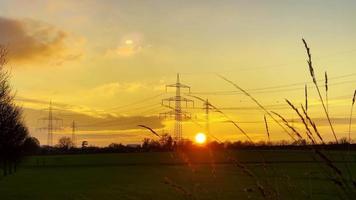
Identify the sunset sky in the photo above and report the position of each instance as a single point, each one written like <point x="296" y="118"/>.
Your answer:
<point x="105" y="64"/>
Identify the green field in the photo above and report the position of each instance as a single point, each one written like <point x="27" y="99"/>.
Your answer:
<point x="194" y="175"/>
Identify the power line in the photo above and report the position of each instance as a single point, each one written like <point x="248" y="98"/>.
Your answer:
<point x="274" y="66"/>
<point x="116" y="121"/>
<point x="131" y="109"/>
<point x="301" y="83"/>
<point x="138" y="102"/>
<point x="265" y="90"/>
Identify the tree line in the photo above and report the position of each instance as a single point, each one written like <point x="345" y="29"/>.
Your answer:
<point x="166" y="143"/>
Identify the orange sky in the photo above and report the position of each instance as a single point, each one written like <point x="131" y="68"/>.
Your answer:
<point x="104" y="64"/>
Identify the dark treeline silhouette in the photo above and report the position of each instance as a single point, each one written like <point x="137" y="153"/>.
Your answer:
<point x="14" y="137"/>
<point x="166" y="143"/>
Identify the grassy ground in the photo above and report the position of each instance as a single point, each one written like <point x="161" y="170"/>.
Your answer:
<point x="194" y="175"/>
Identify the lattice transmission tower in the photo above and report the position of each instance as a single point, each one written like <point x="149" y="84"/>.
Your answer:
<point x="207" y="107"/>
<point x="74" y="138"/>
<point x="52" y="124"/>
<point x="176" y="111"/>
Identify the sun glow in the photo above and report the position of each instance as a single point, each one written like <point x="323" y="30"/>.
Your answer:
<point x="128" y="42"/>
<point x="200" y="138"/>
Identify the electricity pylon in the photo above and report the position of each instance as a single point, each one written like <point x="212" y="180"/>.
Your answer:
<point x="50" y="128"/>
<point x="207" y="108"/>
<point x="177" y="112"/>
<point x="73" y="134"/>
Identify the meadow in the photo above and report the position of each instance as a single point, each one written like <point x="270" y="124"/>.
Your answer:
<point x="199" y="174"/>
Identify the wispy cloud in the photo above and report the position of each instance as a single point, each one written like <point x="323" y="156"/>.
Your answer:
<point x="108" y="123"/>
<point x="37" y="104"/>
<point x="115" y="88"/>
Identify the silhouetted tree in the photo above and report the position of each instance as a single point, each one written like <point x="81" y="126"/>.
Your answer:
<point x="145" y="143"/>
<point x="65" y="143"/>
<point x="154" y="145"/>
<point x="114" y="147"/>
<point x="166" y="142"/>
<point x="214" y="145"/>
<point x="344" y="140"/>
<point x="12" y="130"/>
<point x="85" y="144"/>
<point x="31" y="146"/>
<point x="300" y="142"/>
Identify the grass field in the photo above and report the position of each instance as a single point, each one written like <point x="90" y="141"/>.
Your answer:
<point x="194" y="175"/>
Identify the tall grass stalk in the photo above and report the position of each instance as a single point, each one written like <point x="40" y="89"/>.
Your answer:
<point x="266" y="194"/>
<point x="350" y="122"/>
<point x="150" y="129"/>
<point x="308" y="132"/>
<point x="306" y="97"/>
<point x="326" y="91"/>
<point x="258" y="104"/>
<point x="178" y="188"/>
<point x="226" y="116"/>
<point x="267" y="129"/>
<point x="312" y="74"/>
<point x="285" y="121"/>
<point x="312" y="123"/>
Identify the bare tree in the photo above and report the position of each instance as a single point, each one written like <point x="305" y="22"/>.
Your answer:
<point x="65" y="143"/>
<point x="12" y="129"/>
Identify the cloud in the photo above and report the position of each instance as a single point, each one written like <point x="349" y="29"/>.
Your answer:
<point x="40" y="104"/>
<point x="124" y="50"/>
<point x="115" y="88"/>
<point x="35" y="41"/>
<point x="98" y="130"/>
<point x="322" y="121"/>
<point x="108" y="123"/>
<point x="129" y="45"/>
<point x="88" y="119"/>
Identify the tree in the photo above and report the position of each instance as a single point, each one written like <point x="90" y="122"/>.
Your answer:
<point x="65" y="143"/>
<point x="166" y="142"/>
<point x="85" y="144"/>
<point x="116" y="147"/>
<point x="31" y="146"/>
<point x="151" y="144"/>
<point x="13" y="132"/>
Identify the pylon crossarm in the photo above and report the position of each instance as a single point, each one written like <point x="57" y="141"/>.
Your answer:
<point x="168" y="106"/>
<point x="183" y="86"/>
<point x="180" y="85"/>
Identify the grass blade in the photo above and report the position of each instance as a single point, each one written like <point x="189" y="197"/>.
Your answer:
<point x="312" y="74"/>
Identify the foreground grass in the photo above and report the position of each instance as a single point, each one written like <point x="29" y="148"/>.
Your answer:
<point x="194" y="175"/>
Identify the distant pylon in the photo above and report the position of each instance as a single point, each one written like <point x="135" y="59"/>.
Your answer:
<point x="73" y="134"/>
<point x="50" y="128"/>
<point x="207" y="108"/>
<point x="177" y="112"/>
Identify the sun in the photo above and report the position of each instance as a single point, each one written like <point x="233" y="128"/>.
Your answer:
<point x="200" y="138"/>
<point x="128" y="42"/>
